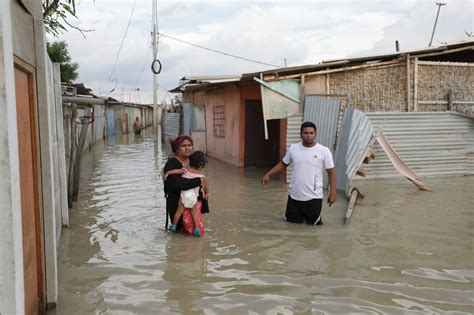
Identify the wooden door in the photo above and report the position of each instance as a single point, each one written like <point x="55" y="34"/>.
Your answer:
<point x="29" y="187"/>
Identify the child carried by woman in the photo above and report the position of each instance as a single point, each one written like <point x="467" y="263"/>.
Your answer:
<point x="188" y="201"/>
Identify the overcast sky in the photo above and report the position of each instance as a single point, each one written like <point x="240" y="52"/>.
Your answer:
<point x="302" y="32"/>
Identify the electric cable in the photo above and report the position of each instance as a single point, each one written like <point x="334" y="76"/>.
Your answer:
<point x="217" y="51"/>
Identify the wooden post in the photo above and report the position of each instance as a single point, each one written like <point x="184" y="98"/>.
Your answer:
<point x="302" y="92"/>
<point x="80" y="148"/>
<point x="72" y="155"/>
<point x="327" y="83"/>
<point x="355" y="194"/>
<point x="415" y="86"/>
<point x="450" y="100"/>
<point x="408" y="84"/>
<point x="262" y="91"/>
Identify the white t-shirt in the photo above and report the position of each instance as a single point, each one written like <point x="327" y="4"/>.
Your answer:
<point x="308" y="167"/>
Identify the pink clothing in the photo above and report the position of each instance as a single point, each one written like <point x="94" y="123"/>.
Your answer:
<point x="191" y="175"/>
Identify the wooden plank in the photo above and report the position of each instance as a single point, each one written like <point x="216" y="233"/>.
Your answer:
<point x="80" y="149"/>
<point x="371" y="154"/>
<point x="445" y="63"/>
<point x="391" y="63"/>
<point x="72" y="157"/>
<point x="362" y="172"/>
<point x="262" y="92"/>
<point x="355" y="194"/>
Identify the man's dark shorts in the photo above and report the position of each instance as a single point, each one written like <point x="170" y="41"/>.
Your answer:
<point x="308" y="211"/>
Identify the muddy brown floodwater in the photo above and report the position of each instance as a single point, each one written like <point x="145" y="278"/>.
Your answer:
<point x="404" y="250"/>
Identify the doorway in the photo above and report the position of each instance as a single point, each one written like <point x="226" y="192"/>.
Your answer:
<point x="258" y="151"/>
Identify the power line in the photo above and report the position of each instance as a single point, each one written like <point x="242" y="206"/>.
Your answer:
<point x="123" y="39"/>
<point x="217" y="51"/>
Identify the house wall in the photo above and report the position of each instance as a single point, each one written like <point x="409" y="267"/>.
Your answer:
<point x="384" y="88"/>
<point x="22" y="35"/>
<point x="373" y="89"/>
<point x="435" y="82"/>
<point x="224" y="148"/>
<point x="11" y="243"/>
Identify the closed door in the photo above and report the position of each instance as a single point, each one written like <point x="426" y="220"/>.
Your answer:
<point x="30" y="210"/>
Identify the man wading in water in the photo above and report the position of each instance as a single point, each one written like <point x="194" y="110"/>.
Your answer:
<point x="305" y="191"/>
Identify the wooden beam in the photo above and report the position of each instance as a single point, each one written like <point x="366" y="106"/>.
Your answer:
<point x="444" y="52"/>
<point x="362" y="172"/>
<point x="444" y="102"/>
<point x="293" y="76"/>
<point x="80" y="149"/>
<point x="408" y="84"/>
<point x="83" y="100"/>
<point x="355" y="195"/>
<point x="445" y="63"/>
<point x="371" y="154"/>
<point x="415" y="86"/>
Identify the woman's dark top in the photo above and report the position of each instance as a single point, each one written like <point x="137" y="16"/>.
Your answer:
<point x="173" y="186"/>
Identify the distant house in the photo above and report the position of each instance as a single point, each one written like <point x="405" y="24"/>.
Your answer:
<point x="244" y="128"/>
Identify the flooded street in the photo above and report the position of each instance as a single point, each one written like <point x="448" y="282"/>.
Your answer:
<point x="404" y="250"/>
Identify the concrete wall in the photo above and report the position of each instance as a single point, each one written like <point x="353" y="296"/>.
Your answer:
<point x="22" y="34"/>
<point x="50" y="166"/>
<point x="224" y="148"/>
<point x="11" y="244"/>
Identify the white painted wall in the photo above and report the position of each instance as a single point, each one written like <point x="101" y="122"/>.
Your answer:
<point x="49" y="159"/>
<point x="11" y="243"/>
<point x="62" y="167"/>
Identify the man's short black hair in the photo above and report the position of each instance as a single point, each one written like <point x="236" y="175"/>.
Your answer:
<point x="307" y="124"/>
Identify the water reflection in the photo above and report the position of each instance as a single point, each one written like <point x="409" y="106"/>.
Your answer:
<point x="404" y="251"/>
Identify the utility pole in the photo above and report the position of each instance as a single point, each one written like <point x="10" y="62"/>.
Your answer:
<point x="155" y="50"/>
<point x="439" y="4"/>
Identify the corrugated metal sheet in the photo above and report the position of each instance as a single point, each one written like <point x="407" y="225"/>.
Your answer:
<point x="355" y="134"/>
<point x="431" y="143"/>
<point x="130" y="111"/>
<point x="187" y="118"/>
<point x="170" y="125"/>
<point x="110" y="122"/>
<point x="324" y="113"/>
<point x="292" y="136"/>
<point x="99" y="123"/>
